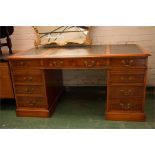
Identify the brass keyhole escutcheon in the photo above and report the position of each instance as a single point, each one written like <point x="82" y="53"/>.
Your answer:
<point x="127" y="62"/>
<point x="89" y="63"/>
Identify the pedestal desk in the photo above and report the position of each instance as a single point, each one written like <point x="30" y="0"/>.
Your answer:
<point x="37" y="78"/>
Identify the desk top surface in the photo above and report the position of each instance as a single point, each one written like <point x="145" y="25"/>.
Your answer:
<point x="85" y="51"/>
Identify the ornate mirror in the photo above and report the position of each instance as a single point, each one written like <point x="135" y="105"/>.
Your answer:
<point x="62" y="35"/>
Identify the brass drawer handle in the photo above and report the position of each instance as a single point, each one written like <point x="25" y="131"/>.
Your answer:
<point x="126" y="92"/>
<point x="128" y="78"/>
<point x="53" y="63"/>
<point x="50" y="64"/>
<point x="32" y="103"/>
<point x="89" y="63"/>
<point x="26" y="90"/>
<point x="122" y="78"/>
<point x="128" y="106"/>
<point x="127" y="63"/>
<point x="28" y="78"/>
<point x="22" y="62"/>
<point x="61" y="62"/>
<point x="29" y="90"/>
<point x="56" y="63"/>
<point x="125" y="106"/>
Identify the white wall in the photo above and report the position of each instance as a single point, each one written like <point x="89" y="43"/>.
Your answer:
<point x="23" y="39"/>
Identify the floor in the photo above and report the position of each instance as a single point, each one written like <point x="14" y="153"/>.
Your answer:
<point x="78" y="108"/>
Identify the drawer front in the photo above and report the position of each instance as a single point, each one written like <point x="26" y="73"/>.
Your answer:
<point x="70" y="63"/>
<point x="27" y="79"/>
<point x="121" y="77"/>
<point x="25" y="63"/>
<point x="128" y="62"/>
<point x="29" y="89"/>
<point x="135" y="105"/>
<point x="60" y="63"/>
<point x="26" y="71"/>
<point x="126" y="91"/>
<point x="31" y="102"/>
<point x="92" y="63"/>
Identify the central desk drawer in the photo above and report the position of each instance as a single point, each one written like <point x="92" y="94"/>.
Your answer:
<point x="128" y="62"/>
<point x="126" y="91"/>
<point x="60" y="63"/>
<point x="75" y="63"/>
<point x="92" y="63"/>
<point x="31" y="102"/>
<point x="28" y="89"/>
<point x="27" y="79"/>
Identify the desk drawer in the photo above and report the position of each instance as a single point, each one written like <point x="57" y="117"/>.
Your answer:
<point x="75" y="63"/>
<point x="28" y="89"/>
<point x="26" y="71"/>
<point x="135" y="105"/>
<point x="31" y="102"/>
<point x="126" y="91"/>
<point x="127" y="77"/>
<point x="60" y="63"/>
<point x="128" y="62"/>
<point x="92" y="63"/>
<point x="27" y="79"/>
<point x="25" y="63"/>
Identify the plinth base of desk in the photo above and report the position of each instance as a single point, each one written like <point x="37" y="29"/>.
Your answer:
<point x="27" y="112"/>
<point x="33" y="113"/>
<point x="125" y="116"/>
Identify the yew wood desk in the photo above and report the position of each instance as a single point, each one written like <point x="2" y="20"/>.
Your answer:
<point x="37" y="78"/>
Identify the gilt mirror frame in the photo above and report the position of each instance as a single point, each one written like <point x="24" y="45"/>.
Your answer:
<point x="58" y="36"/>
